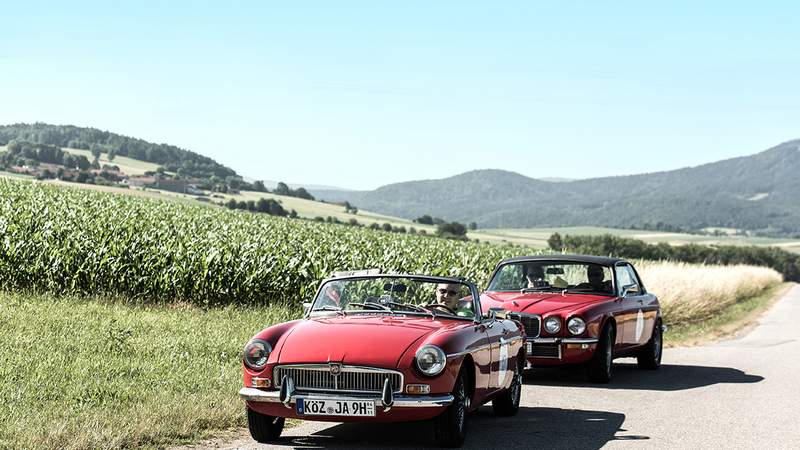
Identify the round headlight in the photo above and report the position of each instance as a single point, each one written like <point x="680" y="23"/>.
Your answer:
<point x="256" y="354"/>
<point x="576" y="325"/>
<point x="431" y="360"/>
<point x="552" y="325"/>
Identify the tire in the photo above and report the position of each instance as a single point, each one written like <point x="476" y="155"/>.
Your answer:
<point x="650" y="356"/>
<point x="507" y="403"/>
<point x="264" y="428"/>
<point x="451" y="426"/>
<point x="599" y="369"/>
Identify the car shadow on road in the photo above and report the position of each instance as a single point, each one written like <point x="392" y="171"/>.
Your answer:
<point x="551" y="428"/>
<point x="670" y="377"/>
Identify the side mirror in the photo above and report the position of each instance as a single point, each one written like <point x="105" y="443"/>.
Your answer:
<point x="306" y="307"/>
<point x="496" y="313"/>
<point x="629" y="289"/>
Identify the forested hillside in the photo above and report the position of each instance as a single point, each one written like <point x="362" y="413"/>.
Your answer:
<point x="173" y="159"/>
<point x="758" y="193"/>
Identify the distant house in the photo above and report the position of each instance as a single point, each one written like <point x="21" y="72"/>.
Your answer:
<point x="141" y="182"/>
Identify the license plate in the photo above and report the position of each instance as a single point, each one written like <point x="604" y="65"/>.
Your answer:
<point x="529" y="347"/>
<point x="327" y="407"/>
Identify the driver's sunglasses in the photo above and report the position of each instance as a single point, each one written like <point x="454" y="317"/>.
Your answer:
<point x="447" y="291"/>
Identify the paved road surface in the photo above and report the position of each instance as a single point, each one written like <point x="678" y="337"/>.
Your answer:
<point x="741" y="393"/>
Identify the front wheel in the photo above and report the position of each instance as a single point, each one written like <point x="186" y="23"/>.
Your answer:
<point x="264" y="428"/>
<point x="599" y="369"/>
<point x="507" y="403"/>
<point x="650" y="355"/>
<point x="451" y="426"/>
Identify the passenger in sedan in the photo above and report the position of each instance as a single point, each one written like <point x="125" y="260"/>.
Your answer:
<point x="597" y="281"/>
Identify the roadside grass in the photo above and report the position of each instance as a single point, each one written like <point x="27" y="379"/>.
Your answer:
<point x="80" y="373"/>
<point x="692" y="293"/>
<point x="731" y="320"/>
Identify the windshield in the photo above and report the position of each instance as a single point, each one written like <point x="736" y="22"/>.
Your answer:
<point x="395" y="295"/>
<point x="534" y="276"/>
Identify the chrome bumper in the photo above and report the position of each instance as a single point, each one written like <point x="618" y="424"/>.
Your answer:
<point x="399" y="401"/>
<point x="563" y="340"/>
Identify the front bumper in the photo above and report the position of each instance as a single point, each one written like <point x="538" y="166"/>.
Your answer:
<point x="402" y="408"/>
<point x="556" y="351"/>
<point x="400" y="401"/>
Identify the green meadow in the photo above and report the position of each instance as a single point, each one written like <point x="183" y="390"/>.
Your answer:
<point x="85" y="373"/>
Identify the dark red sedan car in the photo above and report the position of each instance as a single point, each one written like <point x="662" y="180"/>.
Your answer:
<point x="579" y="310"/>
<point x="385" y="348"/>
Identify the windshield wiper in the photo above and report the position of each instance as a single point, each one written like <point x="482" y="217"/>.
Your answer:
<point x="409" y="306"/>
<point x="330" y="308"/>
<point x="528" y="290"/>
<point x="372" y="305"/>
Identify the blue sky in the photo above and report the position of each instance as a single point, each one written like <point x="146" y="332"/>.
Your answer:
<point x="361" y="94"/>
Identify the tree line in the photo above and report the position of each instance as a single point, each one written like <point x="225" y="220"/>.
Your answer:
<point x="785" y="262"/>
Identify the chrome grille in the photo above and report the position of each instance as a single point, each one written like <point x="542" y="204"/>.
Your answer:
<point x="531" y="323"/>
<point x="318" y="377"/>
<point x="546" y="351"/>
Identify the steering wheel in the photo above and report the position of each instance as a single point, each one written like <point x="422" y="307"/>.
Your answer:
<point x="439" y="305"/>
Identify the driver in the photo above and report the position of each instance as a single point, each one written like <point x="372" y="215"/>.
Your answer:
<point x="447" y="295"/>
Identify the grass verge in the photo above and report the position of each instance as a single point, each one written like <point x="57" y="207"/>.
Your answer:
<point x="99" y="373"/>
<point x="727" y="322"/>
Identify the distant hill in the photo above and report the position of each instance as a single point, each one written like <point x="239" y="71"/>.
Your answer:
<point x="760" y="193"/>
<point x="172" y="158"/>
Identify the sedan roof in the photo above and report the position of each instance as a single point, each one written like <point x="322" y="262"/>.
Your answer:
<point x="590" y="259"/>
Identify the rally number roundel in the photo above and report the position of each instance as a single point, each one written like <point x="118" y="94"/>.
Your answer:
<point x="639" y="325"/>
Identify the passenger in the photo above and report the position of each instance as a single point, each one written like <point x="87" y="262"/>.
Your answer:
<point x="597" y="282"/>
<point x="534" y="275"/>
<point x="332" y="295"/>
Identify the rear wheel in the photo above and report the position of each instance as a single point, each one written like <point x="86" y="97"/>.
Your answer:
<point x="599" y="369"/>
<point x="507" y="404"/>
<point x="451" y="426"/>
<point x="264" y="428"/>
<point x="650" y="355"/>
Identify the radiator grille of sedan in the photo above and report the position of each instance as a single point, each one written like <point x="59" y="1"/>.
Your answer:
<point x="531" y="323"/>
<point x="355" y="379"/>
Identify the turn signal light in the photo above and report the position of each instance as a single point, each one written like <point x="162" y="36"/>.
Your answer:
<point x="418" y="389"/>
<point x="260" y="382"/>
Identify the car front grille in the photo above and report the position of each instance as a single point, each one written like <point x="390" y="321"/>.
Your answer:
<point x="546" y="351"/>
<point x="531" y="323"/>
<point x="320" y="377"/>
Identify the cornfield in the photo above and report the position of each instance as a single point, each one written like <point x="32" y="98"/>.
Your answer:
<point x="73" y="241"/>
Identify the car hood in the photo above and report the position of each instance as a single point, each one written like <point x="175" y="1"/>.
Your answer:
<point x="538" y="302"/>
<point x="363" y="340"/>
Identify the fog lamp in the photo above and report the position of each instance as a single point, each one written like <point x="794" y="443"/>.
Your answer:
<point x="418" y="389"/>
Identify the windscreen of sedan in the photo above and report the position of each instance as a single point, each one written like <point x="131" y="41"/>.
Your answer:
<point x="558" y="275"/>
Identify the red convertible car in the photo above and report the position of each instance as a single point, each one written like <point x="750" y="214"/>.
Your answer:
<point x="385" y="348"/>
<point x="579" y="310"/>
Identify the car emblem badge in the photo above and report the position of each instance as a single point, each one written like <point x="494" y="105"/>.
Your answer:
<point x="336" y="369"/>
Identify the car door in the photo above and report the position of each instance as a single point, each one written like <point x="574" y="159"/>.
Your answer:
<point x="632" y="302"/>
<point x="647" y="311"/>
<point x="497" y="335"/>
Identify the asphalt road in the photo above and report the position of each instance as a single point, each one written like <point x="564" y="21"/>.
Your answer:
<point x="740" y="393"/>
